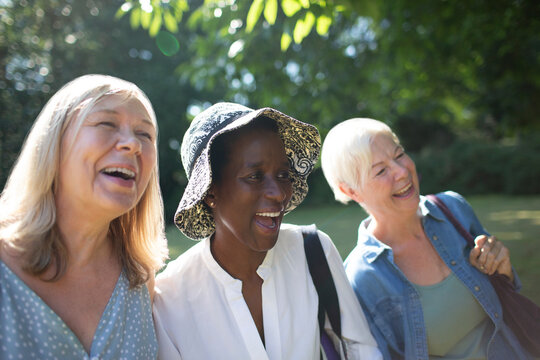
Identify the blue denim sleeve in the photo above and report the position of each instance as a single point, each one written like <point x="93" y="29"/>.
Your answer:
<point x="381" y="342"/>
<point x="352" y="263"/>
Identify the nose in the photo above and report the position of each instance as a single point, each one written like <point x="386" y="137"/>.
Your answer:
<point x="400" y="171"/>
<point x="276" y="190"/>
<point x="128" y="141"/>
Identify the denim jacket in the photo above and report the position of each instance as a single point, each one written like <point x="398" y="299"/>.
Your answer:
<point x="391" y="303"/>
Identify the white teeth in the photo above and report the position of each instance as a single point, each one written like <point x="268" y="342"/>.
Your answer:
<point x="404" y="190"/>
<point x="124" y="171"/>
<point x="269" y="214"/>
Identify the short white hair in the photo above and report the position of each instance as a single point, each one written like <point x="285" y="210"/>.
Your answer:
<point x="346" y="153"/>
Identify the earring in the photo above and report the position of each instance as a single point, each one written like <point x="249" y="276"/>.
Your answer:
<point x="212" y="203"/>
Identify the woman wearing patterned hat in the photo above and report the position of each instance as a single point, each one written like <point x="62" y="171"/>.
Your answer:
<point x="244" y="291"/>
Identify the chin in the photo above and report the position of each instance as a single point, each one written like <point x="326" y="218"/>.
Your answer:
<point x="118" y="208"/>
<point x="264" y="245"/>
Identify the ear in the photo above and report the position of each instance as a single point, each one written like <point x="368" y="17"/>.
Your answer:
<point x="210" y="198"/>
<point x="350" y="192"/>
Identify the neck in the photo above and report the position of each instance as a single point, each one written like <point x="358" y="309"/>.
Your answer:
<point x="239" y="261"/>
<point x="84" y="236"/>
<point x="397" y="230"/>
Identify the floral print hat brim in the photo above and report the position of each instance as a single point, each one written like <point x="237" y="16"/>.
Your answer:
<point x="302" y="146"/>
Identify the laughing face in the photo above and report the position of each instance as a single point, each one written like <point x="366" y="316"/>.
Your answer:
<point x="106" y="164"/>
<point x="391" y="187"/>
<point x="252" y="191"/>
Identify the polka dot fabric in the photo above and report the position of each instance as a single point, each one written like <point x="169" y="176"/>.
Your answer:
<point x="31" y="330"/>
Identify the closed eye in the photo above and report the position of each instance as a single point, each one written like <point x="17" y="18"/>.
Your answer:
<point x="284" y="175"/>
<point x="107" y="124"/>
<point x="381" y="172"/>
<point x="146" y="135"/>
<point x="255" y="176"/>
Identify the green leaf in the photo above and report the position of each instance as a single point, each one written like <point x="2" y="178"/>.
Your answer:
<point x="285" y="41"/>
<point x="195" y="18"/>
<point x="303" y="27"/>
<point x="309" y="21"/>
<point x="124" y="9"/>
<point x="298" y="31"/>
<point x="253" y="15"/>
<point x="119" y="13"/>
<point x="135" y="18"/>
<point x="156" y="23"/>
<point x="305" y="4"/>
<point x="180" y="7"/>
<point x="270" y="11"/>
<point x="146" y="17"/>
<point x="290" y="7"/>
<point x="170" y="22"/>
<point x="323" y="24"/>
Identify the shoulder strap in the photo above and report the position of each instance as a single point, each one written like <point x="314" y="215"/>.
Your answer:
<point x="322" y="279"/>
<point x="437" y="201"/>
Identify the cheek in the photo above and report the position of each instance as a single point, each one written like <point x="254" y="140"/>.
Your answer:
<point x="149" y="159"/>
<point x="288" y="190"/>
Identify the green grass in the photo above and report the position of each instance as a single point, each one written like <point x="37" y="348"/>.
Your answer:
<point x="514" y="220"/>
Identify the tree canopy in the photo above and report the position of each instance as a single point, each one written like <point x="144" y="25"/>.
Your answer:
<point x="436" y="71"/>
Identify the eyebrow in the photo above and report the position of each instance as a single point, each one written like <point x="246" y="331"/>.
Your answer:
<point x="398" y="147"/>
<point x="114" y="112"/>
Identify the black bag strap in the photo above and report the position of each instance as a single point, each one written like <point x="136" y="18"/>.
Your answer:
<point x="322" y="279"/>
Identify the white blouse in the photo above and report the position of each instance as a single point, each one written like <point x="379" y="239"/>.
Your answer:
<point x="200" y="313"/>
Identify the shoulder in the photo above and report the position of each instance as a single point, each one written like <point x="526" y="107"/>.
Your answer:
<point x="292" y="232"/>
<point x="289" y="231"/>
<point x="358" y="267"/>
<point x="367" y="250"/>
<point x="190" y="261"/>
<point x="452" y="197"/>
<point x="457" y="204"/>
<point x="369" y="265"/>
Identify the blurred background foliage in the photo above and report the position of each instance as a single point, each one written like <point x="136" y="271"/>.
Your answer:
<point x="458" y="81"/>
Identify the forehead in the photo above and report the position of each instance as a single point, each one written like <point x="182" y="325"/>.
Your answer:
<point x="126" y="103"/>
<point x="256" y="144"/>
<point x="382" y="143"/>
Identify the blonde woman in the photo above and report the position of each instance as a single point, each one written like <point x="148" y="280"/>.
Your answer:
<point x="81" y="226"/>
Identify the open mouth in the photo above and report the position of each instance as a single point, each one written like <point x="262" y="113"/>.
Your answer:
<point x="404" y="192"/>
<point x="269" y="220"/>
<point x="119" y="172"/>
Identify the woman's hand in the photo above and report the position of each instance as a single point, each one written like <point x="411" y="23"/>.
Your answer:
<point x="490" y="256"/>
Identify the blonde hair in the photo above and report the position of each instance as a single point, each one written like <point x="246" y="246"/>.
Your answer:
<point x="346" y="153"/>
<point x="27" y="206"/>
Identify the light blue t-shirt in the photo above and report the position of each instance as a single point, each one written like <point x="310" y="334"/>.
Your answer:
<point x="29" y="329"/>
<point x="456" y="325"/>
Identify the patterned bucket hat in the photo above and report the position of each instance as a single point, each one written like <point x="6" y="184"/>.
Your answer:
<point x="301" y="141"/>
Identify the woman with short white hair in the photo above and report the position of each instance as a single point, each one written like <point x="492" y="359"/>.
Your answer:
<point x="424" y="290"/>
<point x="81" y="228"/>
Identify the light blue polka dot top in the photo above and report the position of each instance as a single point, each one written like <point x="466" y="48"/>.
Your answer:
<point x="29" y="329"/>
